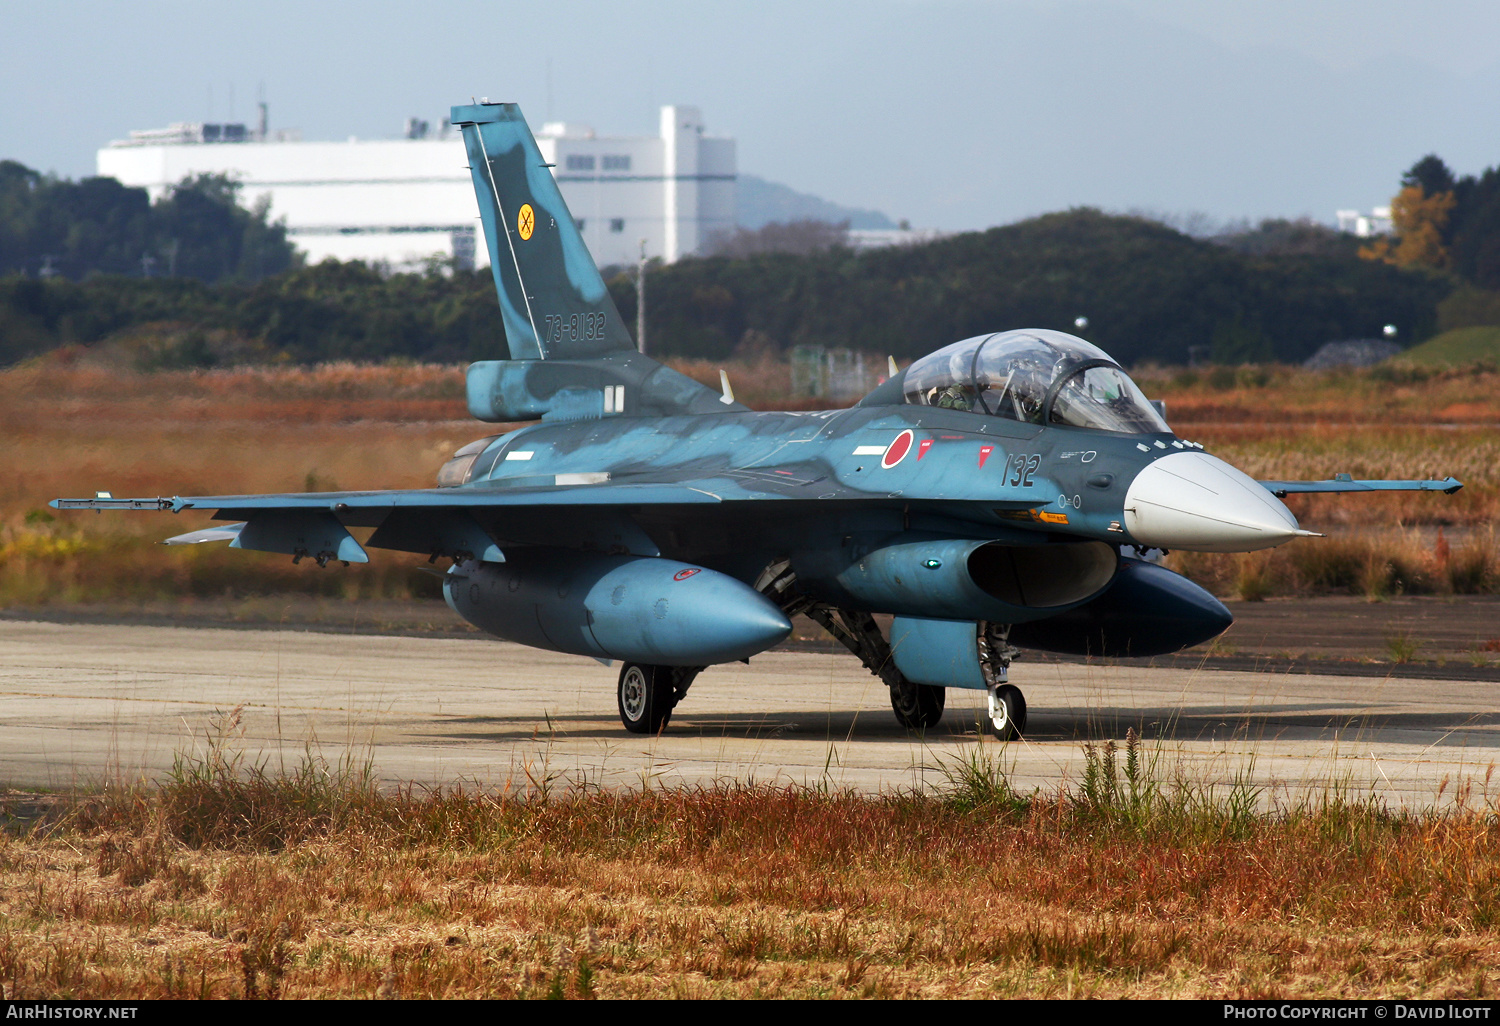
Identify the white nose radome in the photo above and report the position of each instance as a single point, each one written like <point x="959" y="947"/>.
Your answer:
<point x="1196" y="502"/>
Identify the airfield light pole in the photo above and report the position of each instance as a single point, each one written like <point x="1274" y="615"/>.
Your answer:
<point x="640" y="301"/>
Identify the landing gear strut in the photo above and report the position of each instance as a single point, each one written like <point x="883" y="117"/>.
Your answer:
<point x="917" y="706"/>
<point x="1007" y="706"/>
<point x="647" y="694"/>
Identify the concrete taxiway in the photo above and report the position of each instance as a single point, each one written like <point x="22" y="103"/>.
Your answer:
<point x="84" y="705"/>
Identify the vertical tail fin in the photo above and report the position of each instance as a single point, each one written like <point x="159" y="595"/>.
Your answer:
<point x="552" y="299"/>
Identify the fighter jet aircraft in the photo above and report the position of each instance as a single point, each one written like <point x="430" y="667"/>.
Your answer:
<point x="984" y="497"/>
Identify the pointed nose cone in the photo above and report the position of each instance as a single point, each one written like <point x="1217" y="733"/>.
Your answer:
<point x="1196" y="502"/>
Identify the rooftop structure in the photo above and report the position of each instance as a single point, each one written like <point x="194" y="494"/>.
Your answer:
<point x="1376" y="222"/>
<point x="405" y="201"/>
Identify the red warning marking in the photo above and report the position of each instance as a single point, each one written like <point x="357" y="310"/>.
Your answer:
<point x="984" y="453"/>
<point x="923" y="446"/>
<point x="897" y="450"/>
<point x="683" y="575"/>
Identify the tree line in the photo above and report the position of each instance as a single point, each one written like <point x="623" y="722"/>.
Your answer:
<point x="330" y="311"/>
<point x="1276" y="291"/>
<point x="52" y="227"/>
<point x="1147" y="291"/>
<point x="1449" y="227"/>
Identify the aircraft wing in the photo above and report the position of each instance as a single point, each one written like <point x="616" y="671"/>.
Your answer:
<point x="436" y="521"/>
<point x="1346" y="483"/>
<point x="466" y="522"/>
<point x="420" y="498"/>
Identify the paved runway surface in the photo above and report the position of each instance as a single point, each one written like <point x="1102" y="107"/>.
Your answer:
<point x="89" y="704"/>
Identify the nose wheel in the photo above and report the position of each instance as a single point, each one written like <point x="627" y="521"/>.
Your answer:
<point x="1007" y="712"/>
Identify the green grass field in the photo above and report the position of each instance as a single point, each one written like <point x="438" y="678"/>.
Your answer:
<point x="1457" y="347"/>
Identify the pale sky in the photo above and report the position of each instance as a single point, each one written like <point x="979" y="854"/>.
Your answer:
<point x="955" y="114"/>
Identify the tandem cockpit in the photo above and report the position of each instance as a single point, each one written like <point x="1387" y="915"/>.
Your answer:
<point x="1032" y="376"/>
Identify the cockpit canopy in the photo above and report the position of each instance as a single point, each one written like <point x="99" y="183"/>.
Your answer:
<point x="1033" y="376"/>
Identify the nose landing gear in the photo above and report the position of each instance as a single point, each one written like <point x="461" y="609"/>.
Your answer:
<point x="1007" y="719"/>
<point x="1007" y="706"/>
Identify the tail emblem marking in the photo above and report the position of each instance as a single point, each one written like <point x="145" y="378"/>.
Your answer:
<point x="525" y="221"/>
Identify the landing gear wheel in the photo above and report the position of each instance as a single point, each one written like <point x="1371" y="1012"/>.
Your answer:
<point x="646" y="697"/>
<point x="1007" y="712"/>
<point x="917" y="706"/>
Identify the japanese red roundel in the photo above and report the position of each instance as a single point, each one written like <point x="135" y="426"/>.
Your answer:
<point x="897" y="450"/>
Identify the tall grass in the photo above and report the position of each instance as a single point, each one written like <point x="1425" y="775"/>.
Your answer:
<point x="1387" y="394"/>
<point x="1375" y="564"/>
<point x="1133" y="881"/>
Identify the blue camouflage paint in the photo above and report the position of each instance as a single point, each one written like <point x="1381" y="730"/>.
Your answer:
<point x="643" y="518"/>
<point x="509" y="172"/>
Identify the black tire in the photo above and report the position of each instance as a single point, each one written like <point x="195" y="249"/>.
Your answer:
<point x="1007" y="719"/>
<point x="917" y="706"/>
<point x="645" y="696"/>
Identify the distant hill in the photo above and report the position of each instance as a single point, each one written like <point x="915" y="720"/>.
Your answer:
<point x="1149" y="293"/>
<point x="1457" y="347"/>
<point x="759" y="203"/>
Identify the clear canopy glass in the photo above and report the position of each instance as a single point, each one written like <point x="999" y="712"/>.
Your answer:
<point x="1035" y="377"/>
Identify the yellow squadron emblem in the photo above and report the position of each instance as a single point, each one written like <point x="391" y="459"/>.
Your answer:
<point x="526" y="221"/>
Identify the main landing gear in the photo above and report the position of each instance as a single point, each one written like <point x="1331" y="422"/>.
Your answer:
<point x="917" y="706"/>
<point x="647" y="694"/>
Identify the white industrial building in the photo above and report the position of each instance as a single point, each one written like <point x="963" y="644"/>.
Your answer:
<point x="1377" y="222"/>
<point x="403" y="201"/>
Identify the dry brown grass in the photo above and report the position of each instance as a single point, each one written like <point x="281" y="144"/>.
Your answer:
<point x="1377" y="564"/>
<point x="225" y="884"/>
<point x="71" y="429"/>
<point x="1291" y="395"/>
